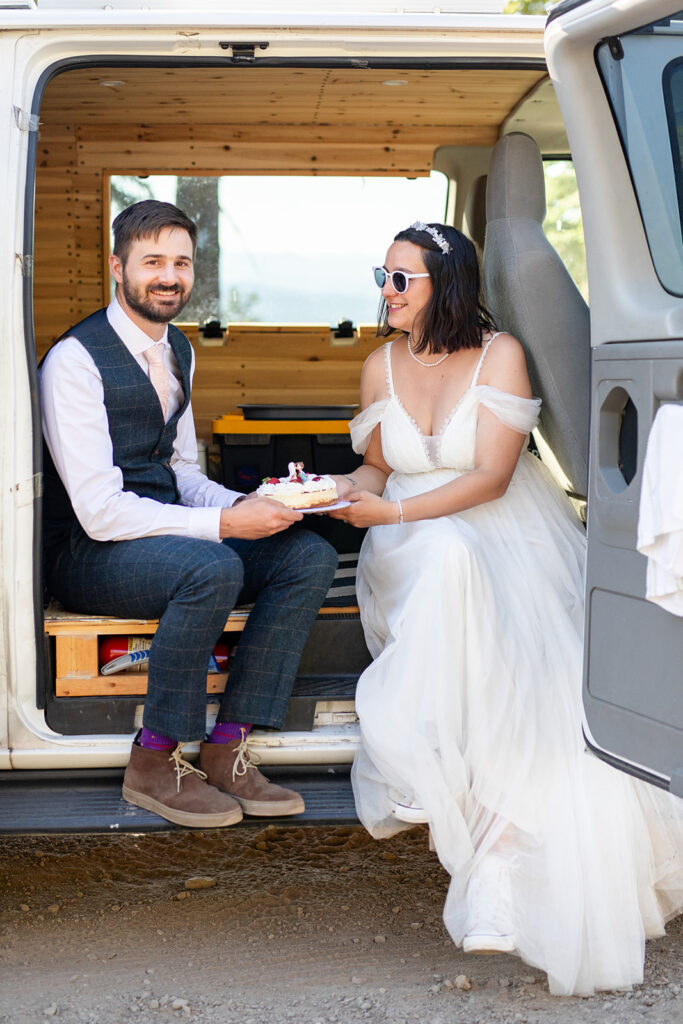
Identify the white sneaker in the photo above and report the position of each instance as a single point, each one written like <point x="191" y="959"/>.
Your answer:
<point x="489" y="909"/>
<point x="407" y="810"/>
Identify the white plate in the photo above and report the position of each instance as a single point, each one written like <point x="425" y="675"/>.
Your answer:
<point x="325" y="508"/>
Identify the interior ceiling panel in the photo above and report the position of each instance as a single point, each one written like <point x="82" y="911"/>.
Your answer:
<point x="310" y="96"/>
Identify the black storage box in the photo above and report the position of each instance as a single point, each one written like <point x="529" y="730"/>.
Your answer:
<point x="247" y="458"/>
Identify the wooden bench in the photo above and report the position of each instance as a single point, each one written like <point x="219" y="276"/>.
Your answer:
<point x="77" y="672"/>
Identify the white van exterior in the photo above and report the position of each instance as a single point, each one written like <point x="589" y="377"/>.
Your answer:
<point x="629" y="304"/>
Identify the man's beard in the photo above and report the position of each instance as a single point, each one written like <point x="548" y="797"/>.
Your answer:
<point x="146" y="306"/>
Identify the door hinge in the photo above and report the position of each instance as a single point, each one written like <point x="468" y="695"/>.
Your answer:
<point x="243" y="53"/>
<point x="26" y="122"/>
<point x="26" y="491"/>
<point x="26" y="264"/>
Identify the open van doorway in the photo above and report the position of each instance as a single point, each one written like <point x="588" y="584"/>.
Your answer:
<point x="299" y="131"/>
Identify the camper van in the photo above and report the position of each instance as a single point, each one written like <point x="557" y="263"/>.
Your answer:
<point x="301" y="135"/>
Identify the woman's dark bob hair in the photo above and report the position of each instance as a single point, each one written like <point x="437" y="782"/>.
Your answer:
<point x="455" y="315"/>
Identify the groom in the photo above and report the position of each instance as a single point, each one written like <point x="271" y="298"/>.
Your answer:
<point x="134" y="529"/>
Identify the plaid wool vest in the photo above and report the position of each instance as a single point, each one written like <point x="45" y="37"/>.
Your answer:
<point x="142" y="443"/>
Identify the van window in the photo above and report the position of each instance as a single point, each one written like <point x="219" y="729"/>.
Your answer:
<point x="643" y="75"/>
<point x="673" y="100"/>
<point x="289" y="249"/>
<point x="563" y="226"/>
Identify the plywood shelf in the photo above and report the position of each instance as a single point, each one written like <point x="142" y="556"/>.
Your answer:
<point x="125" y="684"/>
<point x="77" y="672"/>
<point x="63" y="624"/>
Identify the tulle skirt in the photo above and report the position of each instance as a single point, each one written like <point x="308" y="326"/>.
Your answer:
<point x="472" y="707"/>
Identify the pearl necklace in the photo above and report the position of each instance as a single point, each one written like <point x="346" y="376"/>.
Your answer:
<point x="422" y="362"/>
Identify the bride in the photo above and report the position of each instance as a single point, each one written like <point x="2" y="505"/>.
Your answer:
<point x="470" y="585"/>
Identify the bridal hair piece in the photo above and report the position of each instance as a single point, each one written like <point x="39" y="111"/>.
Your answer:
<point x="436" y="235"/>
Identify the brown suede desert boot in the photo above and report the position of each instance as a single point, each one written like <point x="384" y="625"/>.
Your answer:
<point x="163" y="782"/>
<point x="232" y="769"/>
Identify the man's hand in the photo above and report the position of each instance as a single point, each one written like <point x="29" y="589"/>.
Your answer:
<point x="258" y="517"/>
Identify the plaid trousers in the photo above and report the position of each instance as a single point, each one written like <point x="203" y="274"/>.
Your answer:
<point x="191" y="586"/>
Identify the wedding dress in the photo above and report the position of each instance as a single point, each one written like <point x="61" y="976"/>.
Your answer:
<point x="472" y="706"/>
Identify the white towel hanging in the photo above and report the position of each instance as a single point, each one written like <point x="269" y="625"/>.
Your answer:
<point x="660" y="518"/>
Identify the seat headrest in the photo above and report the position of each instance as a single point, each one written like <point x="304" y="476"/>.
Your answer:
<point x="516" y="187"/>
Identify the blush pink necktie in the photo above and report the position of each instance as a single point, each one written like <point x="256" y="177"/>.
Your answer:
<point x="158" y="374"/>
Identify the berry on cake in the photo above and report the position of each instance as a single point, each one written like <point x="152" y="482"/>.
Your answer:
<point x="299" y="489"/>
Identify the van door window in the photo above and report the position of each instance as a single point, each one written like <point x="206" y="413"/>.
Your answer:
<point x="289" y="249"/>
<point x="642" y="72"/>
<point x="673" y="100"/>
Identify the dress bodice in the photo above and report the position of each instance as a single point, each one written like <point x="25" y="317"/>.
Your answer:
<point x="407" y="450"/>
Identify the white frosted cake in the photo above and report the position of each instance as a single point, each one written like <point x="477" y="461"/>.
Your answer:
<point x="300" y="489"/>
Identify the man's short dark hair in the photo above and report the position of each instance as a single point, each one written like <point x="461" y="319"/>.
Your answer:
<point x="148" y="219"/>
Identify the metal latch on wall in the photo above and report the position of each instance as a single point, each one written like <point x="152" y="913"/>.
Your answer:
<point x="243" y="53"/>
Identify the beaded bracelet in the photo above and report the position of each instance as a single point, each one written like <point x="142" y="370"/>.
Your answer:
<point x="400" y="510"/>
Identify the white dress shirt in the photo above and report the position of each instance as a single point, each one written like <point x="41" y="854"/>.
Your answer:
<point x="76" y="429"/>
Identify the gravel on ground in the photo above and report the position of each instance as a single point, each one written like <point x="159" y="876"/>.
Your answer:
<point x="267" y="926"/>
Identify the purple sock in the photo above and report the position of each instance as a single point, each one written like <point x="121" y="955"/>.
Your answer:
<point x="155" y="740"/>
<point x="227" y="732"/>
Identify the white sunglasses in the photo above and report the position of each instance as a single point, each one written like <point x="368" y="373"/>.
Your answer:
<point x="399" y="279"/>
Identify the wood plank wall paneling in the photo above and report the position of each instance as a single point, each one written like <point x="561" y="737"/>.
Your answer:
<point x="255" y="158"/>
<point x="261" y="364"/>
<point x="311" y="121"/>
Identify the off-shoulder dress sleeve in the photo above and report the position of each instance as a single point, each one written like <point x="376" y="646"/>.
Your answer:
<point x="520" y="414"/>
<point x="362" y="425"/>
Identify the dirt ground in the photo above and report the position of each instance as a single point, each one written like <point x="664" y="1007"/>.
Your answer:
<point x="299" y="924"/>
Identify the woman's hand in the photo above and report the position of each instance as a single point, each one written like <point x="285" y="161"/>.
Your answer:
<point x="344" y="483"/>
<point x="367" y="509"/>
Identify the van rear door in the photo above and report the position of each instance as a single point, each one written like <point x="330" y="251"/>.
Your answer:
<point x="618" y="74"/>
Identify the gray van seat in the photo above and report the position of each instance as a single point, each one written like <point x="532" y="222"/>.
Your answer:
<point x="531" y="295"/>
<point x="475" y="212"/>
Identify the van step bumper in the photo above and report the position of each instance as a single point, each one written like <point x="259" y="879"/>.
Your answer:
<point x="78" y="801"/>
